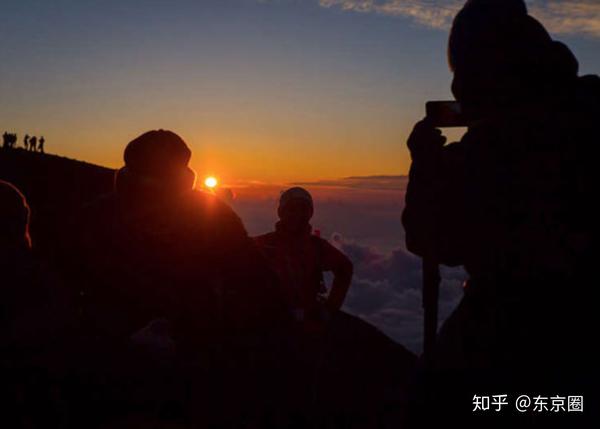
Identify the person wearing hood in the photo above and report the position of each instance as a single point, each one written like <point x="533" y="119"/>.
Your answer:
<point x="160" y="263"/>
<point x="512" y="202"/>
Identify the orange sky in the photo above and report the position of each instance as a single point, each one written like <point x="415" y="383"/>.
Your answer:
<point x="274" y="91"/>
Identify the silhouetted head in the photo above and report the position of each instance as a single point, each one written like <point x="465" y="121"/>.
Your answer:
<point x="156" y="164"/>
<point x="14" y="219"/>
<point x="295" y="209"/>
<point x="500" y="55"/>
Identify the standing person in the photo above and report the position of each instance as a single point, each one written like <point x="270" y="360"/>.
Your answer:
<point x="33" y="143"/>
<point x="41" y="144"/>
<point x="512" y="202"/>
<point x="300" y="258"/>
<point x="26" y="141"/>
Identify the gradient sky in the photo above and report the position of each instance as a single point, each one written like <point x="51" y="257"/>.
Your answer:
<point x="273" y="91"/>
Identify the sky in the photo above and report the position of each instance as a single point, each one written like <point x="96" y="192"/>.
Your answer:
<point x="267" y="93"/>
<point x="262" y="90"/>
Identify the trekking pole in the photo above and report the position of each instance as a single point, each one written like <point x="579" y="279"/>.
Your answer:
<point x="431" y="289"/>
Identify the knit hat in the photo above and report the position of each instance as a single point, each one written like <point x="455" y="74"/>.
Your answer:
<point x="156" y="159"/>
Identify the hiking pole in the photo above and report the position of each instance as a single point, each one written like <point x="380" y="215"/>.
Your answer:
<point x="431" y="289"/>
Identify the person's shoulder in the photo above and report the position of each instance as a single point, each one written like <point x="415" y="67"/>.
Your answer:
<point x="590" y="81"/>
<point x="216" y="212"/>
<point x="324" y="245"/>
<point x="210" y="205"/>
<point x="267" y="239"/>
<point x="588" y="91"/>
<point x="332" y="256"/>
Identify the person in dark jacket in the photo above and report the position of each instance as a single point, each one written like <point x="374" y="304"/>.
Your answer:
<point x="299" y="258"/>
<point x="165" y="268"/>
<point x="512" y="202"/>
<point x="32" y="323"/>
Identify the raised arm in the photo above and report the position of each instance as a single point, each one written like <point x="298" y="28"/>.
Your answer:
<point x="342" y="268"/>
<point x="434" y="215"/>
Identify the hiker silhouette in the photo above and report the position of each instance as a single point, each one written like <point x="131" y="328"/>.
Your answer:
<point x="9" y="140"/>
<point x="26" y="141"/>
<point x="41" y="144"/>
<point x="300" y="258"/>
<point x="512" y="202"/>
<point x="167" y="270"/>
<point x="33" y="143"/>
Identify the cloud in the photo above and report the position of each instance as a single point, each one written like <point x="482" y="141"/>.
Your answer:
<point x="434" y="14"/>
<point x="578" y="17"/>
<point x="569" y="17"/>
<point x="397" y="183"/>
<point x="386" y="290"/>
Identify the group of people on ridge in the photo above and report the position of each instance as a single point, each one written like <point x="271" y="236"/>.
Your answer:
<point x="31" y="143"/>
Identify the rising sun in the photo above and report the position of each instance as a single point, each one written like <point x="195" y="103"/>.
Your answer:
<point x="210" y="182"/>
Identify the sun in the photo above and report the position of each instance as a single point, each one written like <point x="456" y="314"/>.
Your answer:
<point x="211" y="182"/>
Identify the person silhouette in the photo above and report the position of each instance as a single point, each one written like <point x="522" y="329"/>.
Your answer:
<point x="32" y="320"/>
<point x="41" y="144"/>
<point x="512" y="202"/>
<point x="8" y="140"/>
<point x="26" y="141"/>
<point x="14" y="221"/>
<point x="33" y="143"/>
<point x="163" y="263"/>
<point x="300" y="258"/>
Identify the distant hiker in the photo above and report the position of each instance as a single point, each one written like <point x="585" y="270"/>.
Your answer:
<point x="41" y="144"/>
<point x="9" y="140"/>
<point x="26" y="141"/>
<point x="514" y="203"/>
<point x="157" y="255"/>
<point x="33" y="143"/>
<point x="300" y="258"/>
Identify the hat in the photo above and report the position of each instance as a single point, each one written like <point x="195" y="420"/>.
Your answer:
<point x="157" y="160"/>
<point x="485" y="29"/>
<point x="157" y="153"/>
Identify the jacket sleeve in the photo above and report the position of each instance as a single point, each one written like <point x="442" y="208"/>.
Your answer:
<point x="342" y="268"/>
<point x="434" y="213"/>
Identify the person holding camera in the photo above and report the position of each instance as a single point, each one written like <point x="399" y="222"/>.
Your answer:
<point x="511" y="201"/>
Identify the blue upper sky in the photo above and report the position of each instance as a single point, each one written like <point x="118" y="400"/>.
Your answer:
<point x="265" y="90"/>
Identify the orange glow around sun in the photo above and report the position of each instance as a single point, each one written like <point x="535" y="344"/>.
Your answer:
<point x="211" y="182"/>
